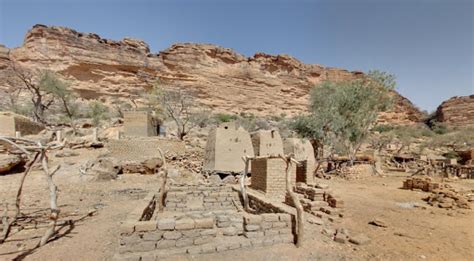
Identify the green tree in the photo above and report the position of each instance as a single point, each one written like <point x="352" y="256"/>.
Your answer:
<point x="61" y="92"/>
<point x="341" y="113"/>
<point x="98" y="112"/>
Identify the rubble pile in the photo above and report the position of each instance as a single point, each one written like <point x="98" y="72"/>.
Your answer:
<point x="443" y="195"/>
<point x="319" y="201"/>
<point x="189" y="160"/>
<point x="448" y="198"/>
<point x="355" y="172"/>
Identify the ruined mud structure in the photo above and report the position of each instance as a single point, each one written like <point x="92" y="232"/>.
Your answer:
<point x="140" y="123"/>
<point x="304" y="153"/>
<point x="12" y="123"/>
<point x="268" y="176"/>
<point x="225" y="147"/>
<point x="267" y="143"/>
<point x="200" y="219"/>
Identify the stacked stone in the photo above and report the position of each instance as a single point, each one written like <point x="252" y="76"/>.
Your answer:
<point x="319" y="202"/>
<point x="213" y="198"/>
<point x="268" y="229"/>
<point x="422" y="183"/>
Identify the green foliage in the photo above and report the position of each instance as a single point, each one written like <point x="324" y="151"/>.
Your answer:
<point x="452" y="155"/>
<point x="154" y="99"/>
<point x="98" y="112"/>
<point x="61" y="92"/>
<point x="201" y="118"/>
<point x="222" y="117"/>
<point x="343" y="112"/>
<point x="439" y="128"/>
<point x="381" y="128"/>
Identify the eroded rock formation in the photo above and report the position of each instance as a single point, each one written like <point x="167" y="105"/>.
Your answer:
<point x="219" y="77"/>
<point x="457" y="111"/>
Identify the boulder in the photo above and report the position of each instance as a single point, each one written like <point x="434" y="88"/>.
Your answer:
<point x="101" y="169"/>
<point x="8" y="162"/>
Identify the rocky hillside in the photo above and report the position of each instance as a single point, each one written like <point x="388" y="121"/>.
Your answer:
<point x="457" y="111"/>
<point x="219" y="77"/>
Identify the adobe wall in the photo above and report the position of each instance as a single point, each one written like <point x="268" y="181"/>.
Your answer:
<point x="226" y="145"/>
<point x="7" y="125"/>
<point x="267" y="143"/>
<point x="11" y="123"/>
<point x="269" y="176"/>
<point x="302" y="151"/>
<point x="139" y="123"/>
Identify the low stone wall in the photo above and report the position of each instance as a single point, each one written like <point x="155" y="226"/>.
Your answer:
<point x="184" y="198"/>
<point x="183" y="228"/>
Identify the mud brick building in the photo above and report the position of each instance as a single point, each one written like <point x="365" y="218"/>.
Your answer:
<point x="140" y="123"/>
<point x="267" y="143"/>
<point x="269" y="177"/>
<point x="226" y="145"/>
<point x="11" y="123"/>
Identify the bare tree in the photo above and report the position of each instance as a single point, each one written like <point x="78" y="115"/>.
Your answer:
<point x="25" y="80"/>
<point x="177" y="105"/>
<point x="39" y="151"/>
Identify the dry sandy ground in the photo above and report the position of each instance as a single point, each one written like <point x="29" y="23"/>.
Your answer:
<point x="412" y="233"/>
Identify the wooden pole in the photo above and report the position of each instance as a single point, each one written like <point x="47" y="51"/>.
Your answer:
<point x="161" y="199"/>
<point x="243" y="188"/>
<point x="299" y="208"/>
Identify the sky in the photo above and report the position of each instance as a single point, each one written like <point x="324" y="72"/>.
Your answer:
<point x="427" y="44"/>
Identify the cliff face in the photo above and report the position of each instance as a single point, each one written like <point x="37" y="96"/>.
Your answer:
<point x="457" y="111"/>
<point x="219" y="77"/>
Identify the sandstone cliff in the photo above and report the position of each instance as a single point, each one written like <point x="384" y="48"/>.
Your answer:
<point x="457" y="111"/>
<point x="219" y="77"/>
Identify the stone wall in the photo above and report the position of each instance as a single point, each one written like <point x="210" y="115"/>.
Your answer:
<point x="194" y="231"/>
<point x="267" y="143"/>
<point x="268" y="176"/>
<point x="199" y="198"/>
<point x="226" y="145"/>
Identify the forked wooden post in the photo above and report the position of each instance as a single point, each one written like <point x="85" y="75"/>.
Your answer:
<point x="299" y="208"/>
<point x="243" y="188"/>
<point x="161" y="199"/>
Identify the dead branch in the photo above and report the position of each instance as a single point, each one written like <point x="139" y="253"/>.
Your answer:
<point x="53" y="198"/>
<point x="28" y="147"/>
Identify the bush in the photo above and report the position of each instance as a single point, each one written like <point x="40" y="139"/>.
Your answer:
<point x="439" y="128"/>
<point x="383" y="128"/>
<point x="98" y="112"/>
<point x="222" y="117"/>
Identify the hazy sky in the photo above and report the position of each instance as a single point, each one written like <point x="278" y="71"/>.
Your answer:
<point x="428" y="44"/>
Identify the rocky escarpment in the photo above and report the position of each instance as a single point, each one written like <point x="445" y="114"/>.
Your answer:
<point x="219" y="77"/>
<point x="457" y="111"/>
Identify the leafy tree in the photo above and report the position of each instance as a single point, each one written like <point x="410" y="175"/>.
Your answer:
<point x="62" y="92"/>
<point x="98" y="112"/>
<point x="341" y="113"/>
